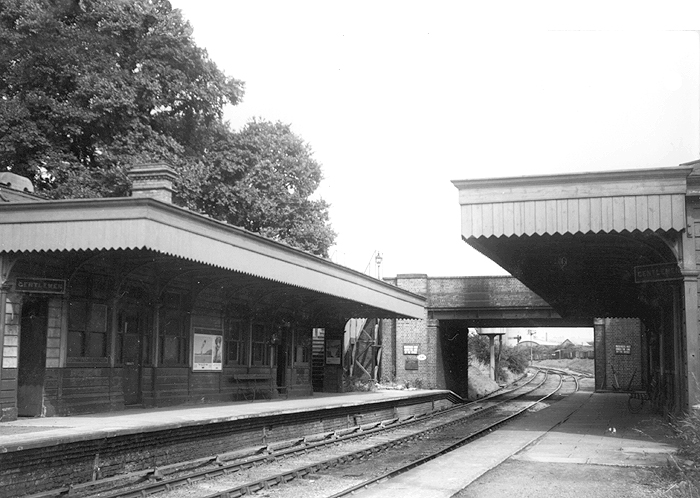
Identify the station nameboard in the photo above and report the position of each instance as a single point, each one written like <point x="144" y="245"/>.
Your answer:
<point x="41" y="285"/>
<point x="657" y="273"/>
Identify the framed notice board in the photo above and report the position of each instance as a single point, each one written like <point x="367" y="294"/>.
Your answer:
<point x="623" y="349"/>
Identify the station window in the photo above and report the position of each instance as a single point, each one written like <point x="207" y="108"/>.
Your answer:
<point x="174" y="330"/>
<point x="133" y="341"/>
<point x="303" y="355"/>
<point x="237" y="338"/>
<point x="87" y="329"/>
<point x="135" y="335"/>
<point x="303" y="348"/>
<point x="262" y="351"/>
<point x="88" y="316"/>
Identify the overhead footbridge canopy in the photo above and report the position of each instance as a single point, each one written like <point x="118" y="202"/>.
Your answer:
<point x="576" y="239"/>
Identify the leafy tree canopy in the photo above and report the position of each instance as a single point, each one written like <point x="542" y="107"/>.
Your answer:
<point x="90" y="87"/>
<point x="262" y="178"/>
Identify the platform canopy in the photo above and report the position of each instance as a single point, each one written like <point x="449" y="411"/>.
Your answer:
<point x="190" y="242"/>
<point x="576" y="239"/>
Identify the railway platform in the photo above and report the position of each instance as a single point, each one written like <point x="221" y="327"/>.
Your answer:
<point x="41" y="454"/>
<point x="587" y="444"/>
<point x="33" y="433"/>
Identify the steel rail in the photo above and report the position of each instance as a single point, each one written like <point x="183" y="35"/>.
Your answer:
<point x="569" y="372"/>
<point x="452" y="447"/>
<point x="251" y="456"/>
<point x="283" y="477"/>
<point x="233" y="461"/>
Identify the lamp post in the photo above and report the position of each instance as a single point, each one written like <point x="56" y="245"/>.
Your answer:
<point x="378" y="260"/>
<point x="492" y="351"/>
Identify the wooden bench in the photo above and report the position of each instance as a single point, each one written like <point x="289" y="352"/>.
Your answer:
<point x="254" y="384"/>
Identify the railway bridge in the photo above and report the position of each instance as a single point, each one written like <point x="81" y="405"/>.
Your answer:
<point x="432" y="352"/>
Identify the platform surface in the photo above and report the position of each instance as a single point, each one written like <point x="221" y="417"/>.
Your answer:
<point x="46" y="431"/>
<point x="593" y="431"/>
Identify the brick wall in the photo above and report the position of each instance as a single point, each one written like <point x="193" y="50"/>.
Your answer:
<point x="412" y="337"/>
<point x="388" y="364"/>
<point x="415" y="337"/>
<point x="623" y="352"/>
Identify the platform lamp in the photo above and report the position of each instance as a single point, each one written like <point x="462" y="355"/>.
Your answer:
<point x="378" y="258"/>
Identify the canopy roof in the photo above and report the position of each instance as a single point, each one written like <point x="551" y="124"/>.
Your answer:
<point x="575" y="239"/>
<point x="574" y="203"/>
<point x="148" y="224"/>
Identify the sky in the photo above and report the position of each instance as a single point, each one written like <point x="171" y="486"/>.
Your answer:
<point x="399" y="98"/>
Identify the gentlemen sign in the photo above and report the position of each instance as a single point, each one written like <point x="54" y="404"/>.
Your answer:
<point x="657" y="273"/>
<point x="41" y="285"/>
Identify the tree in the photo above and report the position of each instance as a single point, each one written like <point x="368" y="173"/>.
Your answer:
<point x="91" y="87"/>
<point x="479" y="348"/>
<point x="262" y="179"/>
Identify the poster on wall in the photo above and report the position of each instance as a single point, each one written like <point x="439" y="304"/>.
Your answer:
<point x="208" y="349"/>
<point x="333" y="350"/>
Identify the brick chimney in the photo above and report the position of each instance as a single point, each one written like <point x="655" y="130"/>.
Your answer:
<point x="154" y="180"/>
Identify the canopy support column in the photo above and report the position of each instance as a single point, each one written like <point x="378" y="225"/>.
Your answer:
<point x="692" y="342"/>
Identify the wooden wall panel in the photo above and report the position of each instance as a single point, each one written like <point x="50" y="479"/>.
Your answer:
<point x="559" y="216"/>
<point x="8" y="391"/>
<point x="498" y="221"/>
<point x="642" y="211"/>
<point x="80" y="390"/>
<point x="529" y="217"/>
<point x="551" y="214"/>
<point x="574" y="211"/>
<point x="540" y="216"/>
<point x="509" y="219"/>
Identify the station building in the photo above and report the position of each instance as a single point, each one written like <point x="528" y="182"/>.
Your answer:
<point x="118" y="302"/>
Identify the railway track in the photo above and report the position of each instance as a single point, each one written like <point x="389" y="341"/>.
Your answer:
<point x="347" y="459"/>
